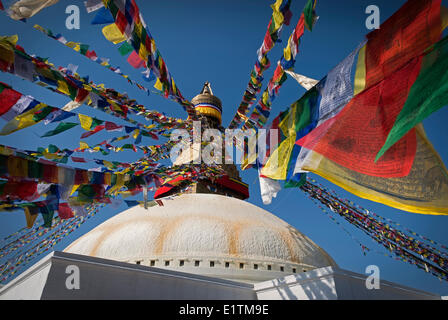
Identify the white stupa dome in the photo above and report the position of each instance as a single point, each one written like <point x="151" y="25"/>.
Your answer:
<point x="205" y="234"/>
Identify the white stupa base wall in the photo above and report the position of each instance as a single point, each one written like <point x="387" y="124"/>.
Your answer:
<point x="333" y="283"/>
<point x="108" y="279"/>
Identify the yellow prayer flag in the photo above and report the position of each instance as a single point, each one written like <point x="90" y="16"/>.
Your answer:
<point x="276" y="5"/>
<point x="143" y="53"/>
<point x="63" y="87"/>
<point x="7" y="44"/>
<point x="107" y="175"/>
<point x="277" y="165"/>
<point x="74" y="188"/>
<point x="86" y="121"/>
<point x="30" y="218"/>
<point x="71" y="44"/>
<point x="118" y="184"/>
<point x="265" y="97"/>
<point x="6" y="151"/>
<point x="83" y="145"/>
<point x="287" y="52"/>
<point x="158" y="85"/>
<point x="113" y="34"/>
<point x="17" y="167"/>
<point x="277" y="16"/>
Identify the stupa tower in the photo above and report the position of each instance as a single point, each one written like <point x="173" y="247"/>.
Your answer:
<point x="210" y="107"/>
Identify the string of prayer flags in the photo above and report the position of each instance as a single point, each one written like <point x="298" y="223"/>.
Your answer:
<point x="424" y="190"/>
<point x="96" y="96"/>
<point x="420" y="195"/>
<point x="24" y="120"/>
<point x="15" y="102"/>
<point x="406" y="247"/>
<point x="262" y="110"/>
<point x="88" y="123"/>
<point x="38" y="240"/>
<point x="280" y="15"/>
<point x="129" y="22"/>
<point x="107" y="100"/>
<point x="124" y="49"/>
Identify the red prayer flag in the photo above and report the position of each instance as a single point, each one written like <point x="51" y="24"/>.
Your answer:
<point x="81" y="176"/>
<point x="354" y="137"/>
<point x="300" y="28"/>
<point x="50" y="173"/>
<point x="135" y="60"/>
<point x="110" y="126"/>
<point x="89" y="133"/>
<point x="121" y="21"/>
<point x="268" y="44"/>
<point x="91" y="54"/>
<point x="64" y="211"/>
<point x="405" y="35"/>
<point x="8" y="98"/>
<point x="81" y="94"/>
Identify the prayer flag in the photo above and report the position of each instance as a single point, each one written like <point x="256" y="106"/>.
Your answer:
<point x="113" y="34"/>
<point x="8" y="98"/>
<point x="62" y="126"/>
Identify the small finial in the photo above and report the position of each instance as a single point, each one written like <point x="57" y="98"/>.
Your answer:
<point x="207" y="89"/>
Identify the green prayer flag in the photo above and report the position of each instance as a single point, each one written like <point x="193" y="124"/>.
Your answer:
<point x="83" y="49"/>
<point x="428" y="94"/>
<point x="95" y="122"/>
<point x="52" y="148"/>
<point x="47" y="215"/>
<point x="294" y="183"/>
<point x="63" y="126"/>
<point x="310" y="15"/>
<point x="125" y="48"/>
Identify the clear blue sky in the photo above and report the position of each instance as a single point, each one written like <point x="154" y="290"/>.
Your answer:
<point x="216" y="41"/>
